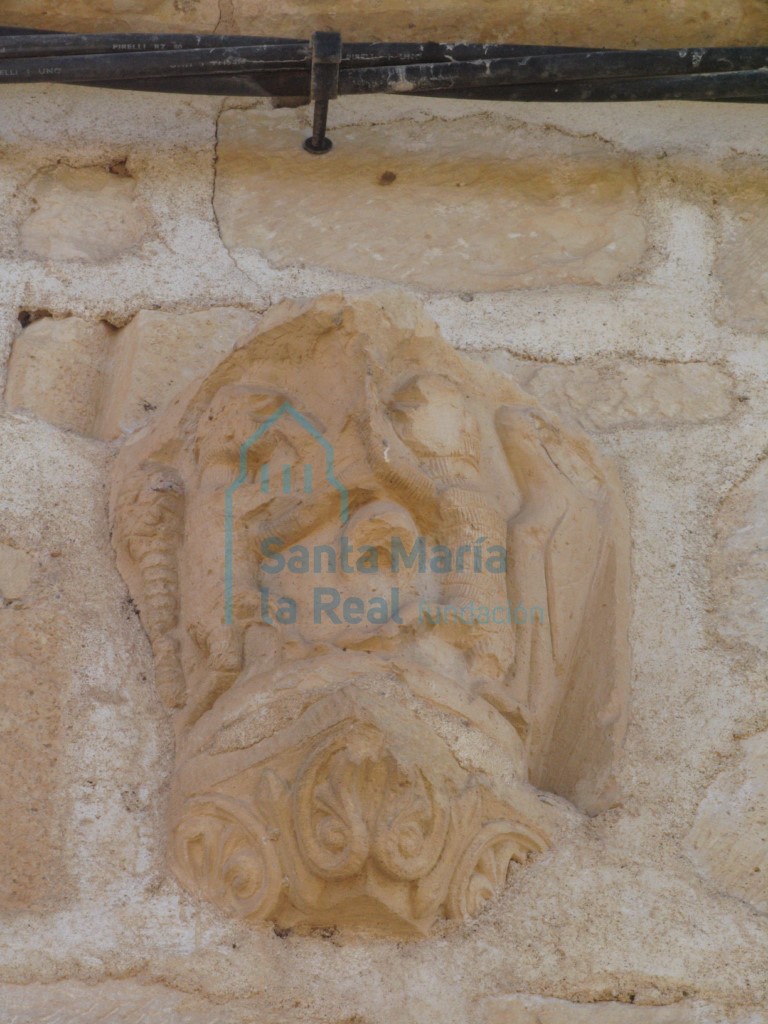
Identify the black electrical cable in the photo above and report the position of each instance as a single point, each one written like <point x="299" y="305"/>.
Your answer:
<point x="734" y="87"/>
<point x="269" y="58"/>
<point x="264" y="57"/>
<point x="22" y="44"/>
<point x="63" y="45"/>
<point x="540" y="69"/>
<point x="273" y="84"/>
<point x="118" y="66"/>
<point x="280" y="67"/>
<point x="39" y="42"/>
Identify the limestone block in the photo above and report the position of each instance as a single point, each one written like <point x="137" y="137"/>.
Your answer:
<point x="360" y="714"/>
<point x="103" y="382"/>
<point x="470" y="209"/>
<point x="114" y="15"/>
<point x="742" y="259"/>
<point x="126" y="1002"/>
<point x="56" y="371"/>
<point x="130" y="1002"/>
<point x="740" y="563"/>
<point x="520" y="1009"/>
<point x="729" y="839"/>
<point x="611" y="396"/>
<point x="30" y="702"/>
<point x="634" y="23"/>
<point x="156" y="355"/>
<point x="84" y="213"/>
<point x="16" y="568"/>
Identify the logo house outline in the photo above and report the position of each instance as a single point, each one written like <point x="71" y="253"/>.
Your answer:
<point x="330" y="474"/>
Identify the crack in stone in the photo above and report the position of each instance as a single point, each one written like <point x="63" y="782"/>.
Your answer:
<point x="214" y="166"/>
<point x="228" y="17"/>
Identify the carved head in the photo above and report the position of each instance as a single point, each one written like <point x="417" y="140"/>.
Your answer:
<point x="387" y="596"/>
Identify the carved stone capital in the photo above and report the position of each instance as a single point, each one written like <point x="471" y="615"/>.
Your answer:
<point x="357" y="814"/>
<point x="387" y="596"/>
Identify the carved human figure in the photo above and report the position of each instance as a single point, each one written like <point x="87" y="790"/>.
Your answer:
<point x="387" y="597"/>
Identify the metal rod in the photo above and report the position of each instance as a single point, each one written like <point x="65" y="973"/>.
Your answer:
<point x="318" y="142"/>
<point x="326" y="55"/>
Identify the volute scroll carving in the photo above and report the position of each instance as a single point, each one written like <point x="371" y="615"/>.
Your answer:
<point x="387" y="597"/>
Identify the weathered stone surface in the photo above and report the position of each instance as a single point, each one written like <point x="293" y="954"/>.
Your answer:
<point x="129" y="1002"/>
<point x="31" y="682"/>
<point x="16" y="568"/>
<point x="528" y="209"/>
<point x="571" y="22"/>
<point x="611" y="395"/>
<point x="114" y="15"/>
<point x="520" y="1009"/>
<point x="319" y="779"/>
<point x="729" y="839"/>
<point x="157" y="354"/>
<point x="740" y="563"/>
<point x="125" y="1002"/>
<point x="84" y="213"/>
<point x="615" y="909"/>
<point x="103" y="382"/>
<point x="742" y="259"/>
<point x="56" y="371"/>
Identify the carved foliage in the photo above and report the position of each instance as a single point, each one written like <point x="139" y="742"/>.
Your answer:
<point x="356" y="828"/>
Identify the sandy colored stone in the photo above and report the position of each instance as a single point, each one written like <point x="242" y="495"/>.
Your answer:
<point x="729" y="839"/>
<point x="740" y="563"/>
<point x="611" y="396"/>
<point x="742" y="259"/>
<point x="634" y="23"/>
<point x="84" y="213"/>
<point x="565" y="22"/>
<point x="130" y="1002"/>
<point x="470" y="209"/>
<point x="156" y="355"/>
<point x="56" y="371"/>
<point x="113" y="15"/>
<point x="319" y="780"/>
<point x="125" y="1002"/>
<point x="30" y="712"/>
<point x="521" y="1009"/>
<point x="103" y="382"/>
<point x="615" y="908"/>
<point x="16" y="568"/>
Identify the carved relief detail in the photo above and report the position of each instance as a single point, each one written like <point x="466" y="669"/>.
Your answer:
<point x="148" y="521"/>
<point x="355" y="832"/>
<point x="376" y="769"/>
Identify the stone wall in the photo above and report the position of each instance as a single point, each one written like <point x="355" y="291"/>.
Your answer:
<point x="611" y="23"/>
<point x="612" y="259"/>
